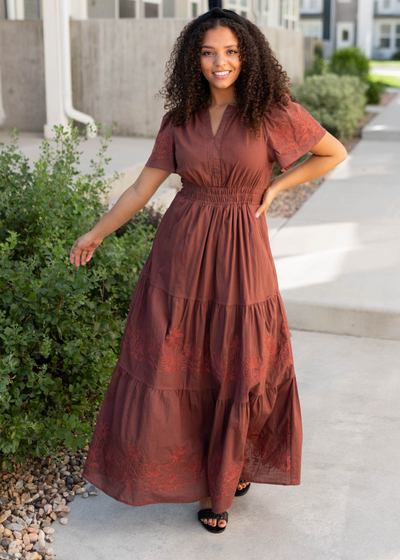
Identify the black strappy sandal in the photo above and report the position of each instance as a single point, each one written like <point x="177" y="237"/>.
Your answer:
<point x="208" y="513"/>
<point x="244" y="490"/>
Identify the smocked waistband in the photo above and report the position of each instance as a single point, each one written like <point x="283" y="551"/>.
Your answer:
<point x="221" y="195"/>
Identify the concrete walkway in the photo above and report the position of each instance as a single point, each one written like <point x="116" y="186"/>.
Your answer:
<point x="347" y="506"/>
<point x="338" y="257"/>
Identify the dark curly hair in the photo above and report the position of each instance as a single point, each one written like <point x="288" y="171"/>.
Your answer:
<point x="260" y="85"/>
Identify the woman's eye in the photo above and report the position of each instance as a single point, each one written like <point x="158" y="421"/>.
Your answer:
<point x="209" y="52"/>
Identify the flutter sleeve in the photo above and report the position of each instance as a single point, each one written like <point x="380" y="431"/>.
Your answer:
<point x="291" y="132"/>
<point x="163" y="153"/>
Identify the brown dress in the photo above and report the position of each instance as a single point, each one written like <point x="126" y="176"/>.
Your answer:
<point x="204" y="390"/>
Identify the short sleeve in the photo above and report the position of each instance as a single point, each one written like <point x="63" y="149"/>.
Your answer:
<point x="291" y="132"/>
<point x="163" y="154"/>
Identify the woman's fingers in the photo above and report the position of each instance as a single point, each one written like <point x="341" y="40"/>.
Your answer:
<point x="261" y="209"/>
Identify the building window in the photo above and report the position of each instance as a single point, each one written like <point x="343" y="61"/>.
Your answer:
<point x="289" y="13"/>
<point x="31" y="9"/>
<point x="311" y="6"/>
<point x="127" y="8"/>
<point x="384" y="40"/>
<point x="151" y="10"/>
<point x="311" y="29"/>
<point x="264" y="11"/>
<point x="397" y="37"/>
<point x="194" y="9"/>
<point x="241" y="7"/>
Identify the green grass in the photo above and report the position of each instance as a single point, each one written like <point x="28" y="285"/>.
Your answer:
<point x="390" y="81"/>
<point x="385" y="62"/>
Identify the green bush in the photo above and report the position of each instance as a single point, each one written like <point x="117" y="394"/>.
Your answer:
<point x="396" y="55"/>
<point x="60" y="326"/>
<point x="350" y="61"/>
<point x="336" y="102"/>
<point x="374" y="92"/>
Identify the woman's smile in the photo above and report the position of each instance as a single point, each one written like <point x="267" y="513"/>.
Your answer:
<point x="221" y="74"/>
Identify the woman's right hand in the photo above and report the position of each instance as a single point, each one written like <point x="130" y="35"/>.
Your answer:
<point x="83" y="248"/>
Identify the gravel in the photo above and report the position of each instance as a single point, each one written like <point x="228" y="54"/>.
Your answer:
<point x="33" y="498"/>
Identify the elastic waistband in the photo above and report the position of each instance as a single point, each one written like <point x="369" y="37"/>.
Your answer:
<point x="221" y="195"/>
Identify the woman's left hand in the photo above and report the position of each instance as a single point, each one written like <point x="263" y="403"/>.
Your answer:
<point x="270" y="193"/>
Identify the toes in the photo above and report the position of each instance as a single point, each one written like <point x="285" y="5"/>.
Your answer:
<point x="222" y="523"/>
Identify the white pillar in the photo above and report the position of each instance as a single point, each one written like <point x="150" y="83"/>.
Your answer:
<point x="365" y="22"/>
<point x="19" y="9"/>
<point x="11" y="9"/>
<point x="55" y="114"/>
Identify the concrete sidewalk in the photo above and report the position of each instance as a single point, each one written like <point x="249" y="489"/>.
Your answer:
<point x="347" y="506"/>
<point x="338" y="257"/>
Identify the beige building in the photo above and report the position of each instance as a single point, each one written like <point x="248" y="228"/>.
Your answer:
<point x="265" y="13"/>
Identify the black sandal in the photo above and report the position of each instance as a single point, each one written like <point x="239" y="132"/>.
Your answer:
<point x="209" y="514"/>
<point x="244" y="490"/>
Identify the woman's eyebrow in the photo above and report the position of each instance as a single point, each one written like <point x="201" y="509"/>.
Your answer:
<point x="209" y="47"/>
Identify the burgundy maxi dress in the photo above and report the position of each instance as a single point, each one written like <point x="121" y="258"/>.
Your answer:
<point x="204" y="391"/>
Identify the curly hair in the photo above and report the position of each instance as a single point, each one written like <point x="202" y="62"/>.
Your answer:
<point x="260" y="85"/>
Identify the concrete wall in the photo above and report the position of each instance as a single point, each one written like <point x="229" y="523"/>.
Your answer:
<point x="117" y="68"/>
<point x="309" y="44"/>
<point x="22" y="74"/>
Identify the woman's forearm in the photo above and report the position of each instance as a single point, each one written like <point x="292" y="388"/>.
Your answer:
<point x="311" y="168"/>
<point x="128" y="204"/>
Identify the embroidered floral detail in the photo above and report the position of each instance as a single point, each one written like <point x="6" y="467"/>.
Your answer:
<point x="163" y="153"/>
<point x="173" y="355"/>
<point x="291" y="132"/>
<point x="269" y="449"/>
<point x="291" y="135"/>
<point x="222" y="482"/>
<point x="125" y="464"/>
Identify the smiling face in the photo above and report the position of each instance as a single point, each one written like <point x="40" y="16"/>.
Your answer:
<point x="219" y="58"/>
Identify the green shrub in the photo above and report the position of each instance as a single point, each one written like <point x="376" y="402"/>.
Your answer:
<point x="319" y="49"/>
<point x="336" y="102"/>
<point x="350" y="61"/>
<point x="374" y="92"/>
<point x="396" y="55"/>
<point x="60" y="326"/>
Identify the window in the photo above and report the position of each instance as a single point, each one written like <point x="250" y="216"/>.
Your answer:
<point x="311" y="29"/>
<point x="397" y="37"/>
<point x="384" y="40"/>
<point x="264" y="14"/>
<point x="151" y="10"/>
<point x="311" y="6"/>
<point x="31" y="9"/>
<point x="127" y="8"/>
<point x="241" y="7"/>
<point x="194" y="9"/>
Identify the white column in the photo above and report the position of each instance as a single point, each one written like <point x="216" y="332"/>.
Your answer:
<point x="11" y="9"/>
<point x="52" y="64"/>
<point x="19" y="9"/>
<point x="365" y="22"/>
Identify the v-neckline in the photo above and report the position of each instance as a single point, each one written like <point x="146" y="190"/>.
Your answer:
<point x="221" y="123"/>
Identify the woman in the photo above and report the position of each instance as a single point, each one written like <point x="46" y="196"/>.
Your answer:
<point x="203" y="399"/>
